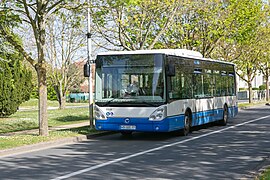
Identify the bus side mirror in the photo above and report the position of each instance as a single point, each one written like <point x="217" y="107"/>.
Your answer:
<point x="86" y="70"/>
<point x="171" y="70"/>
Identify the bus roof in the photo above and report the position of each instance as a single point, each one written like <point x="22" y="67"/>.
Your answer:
<point x="175" y="52"/>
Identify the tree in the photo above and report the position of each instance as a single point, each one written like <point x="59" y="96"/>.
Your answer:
<point x="15" y="82"/>
<point x="265" y="70"/>
<point x="132" y="25"/>
<point x="197" y="26"/>
<point x="34" y="14"/>
<point x="246" y="33"/>
<point x="241" y="41"/>
<point x="264" y="64"/>
<point x="64" y="45"/>
<point x="247" y="65"/>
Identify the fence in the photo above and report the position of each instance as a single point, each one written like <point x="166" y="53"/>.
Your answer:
<point x="256" y="95"/>
<point x="78" y="97"/>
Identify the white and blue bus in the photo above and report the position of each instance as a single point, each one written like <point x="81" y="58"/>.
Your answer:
<point x="162" y="90"/>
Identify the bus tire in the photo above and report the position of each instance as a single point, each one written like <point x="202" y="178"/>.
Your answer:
<point x="187" y="125"/>
<point x="224" y="121"/>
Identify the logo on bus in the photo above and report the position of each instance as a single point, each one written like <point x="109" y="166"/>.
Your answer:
<point x="127" y="120"/>
<point x="109" y="114"/>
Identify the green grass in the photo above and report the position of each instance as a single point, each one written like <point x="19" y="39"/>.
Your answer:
<point x="243" y="105"/>
<point x="25" y="120"/>
<point x="7" y="142"/>
<point x="21" y="140"/>
<point x="33" y="103"/>
<point x="265" y="175"/>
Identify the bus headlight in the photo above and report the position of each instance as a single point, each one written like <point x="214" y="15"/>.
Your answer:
<point x="159" y="114"/>
<point x="99" y="114"/>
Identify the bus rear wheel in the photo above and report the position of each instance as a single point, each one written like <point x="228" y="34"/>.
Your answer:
<point x="224" y="121"/>
<point x="187" y="125"/>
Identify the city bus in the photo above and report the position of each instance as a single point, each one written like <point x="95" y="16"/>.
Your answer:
<point x="162" y="90"/>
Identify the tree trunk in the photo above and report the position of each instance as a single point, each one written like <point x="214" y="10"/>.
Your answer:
<point x="63" y="102"/>
<point x="42" y="103"/>
<point x="267" y="87"/>
<point x="61" y="97"/>
<point x="250" y="92"/>
<point x="40" y="36"/>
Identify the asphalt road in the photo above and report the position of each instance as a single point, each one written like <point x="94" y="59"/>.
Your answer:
<point x="213" y="152"/>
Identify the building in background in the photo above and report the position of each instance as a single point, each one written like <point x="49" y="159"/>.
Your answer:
<point x="80" y="91"/>
<point x="256" y="83"/>
<point x="257" y="93"/>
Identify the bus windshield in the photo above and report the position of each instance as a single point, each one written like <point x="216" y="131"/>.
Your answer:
<point x="130" y="79"/>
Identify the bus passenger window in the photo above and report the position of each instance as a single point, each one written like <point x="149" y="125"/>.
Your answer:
<point x="174" y="87"/>
<point x="198" y="86"/>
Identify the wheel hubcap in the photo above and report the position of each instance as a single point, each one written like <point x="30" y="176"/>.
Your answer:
<point x="186" y="124"/>
<point x="225" y="115"/>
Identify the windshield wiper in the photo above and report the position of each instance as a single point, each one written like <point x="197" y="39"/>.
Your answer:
<point x="108" y="102"/>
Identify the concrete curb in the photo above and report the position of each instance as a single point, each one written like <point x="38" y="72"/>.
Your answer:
<point x="50" y="144"/>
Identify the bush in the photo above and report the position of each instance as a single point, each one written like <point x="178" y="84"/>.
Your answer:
<point x="15" y="83"/>
<point x="242" y="89"/>
<point x="262" y="87"/>
<point x="51" y="94"/>
<point x="255" y="88"/>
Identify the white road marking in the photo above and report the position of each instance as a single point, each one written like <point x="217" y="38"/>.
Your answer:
<point x="154" y="149"/>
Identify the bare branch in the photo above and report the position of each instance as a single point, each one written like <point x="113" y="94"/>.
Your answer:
<point x="10" y="37"/>
<point x="169" y="20"/>
<point x="53" y="6"/>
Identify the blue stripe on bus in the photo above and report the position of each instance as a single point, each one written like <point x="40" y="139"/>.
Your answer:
<point x="168" y="124"/>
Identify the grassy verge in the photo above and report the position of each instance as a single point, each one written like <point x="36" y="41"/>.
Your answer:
<point x="7" y="142"/>
<point x="25" y="120"/>
<point x="244" y="105"/>
<point x="265" y="175"/>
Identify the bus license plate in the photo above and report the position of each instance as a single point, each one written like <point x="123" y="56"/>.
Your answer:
<point x="127" y="127"/>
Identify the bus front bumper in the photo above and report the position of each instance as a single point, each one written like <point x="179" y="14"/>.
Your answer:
<point x="140" y="124"/>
